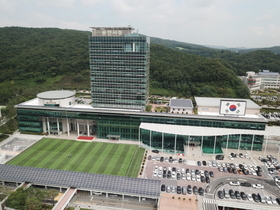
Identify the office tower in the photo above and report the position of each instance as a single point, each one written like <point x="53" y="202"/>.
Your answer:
<point x="119" y="68"/>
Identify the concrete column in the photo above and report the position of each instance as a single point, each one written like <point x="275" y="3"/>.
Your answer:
<point x="88" y="128"/>
<point x="67" y="123"/>
<point x="90" y="193"/>
<point x="265" y="146"/>
<point x="150" y="139"/>
<point x="202" y="145"/>
<point x="175" y="143"/>
<point x="106" y="195"/>
<point x="60" y="189"/>
<point x="215" y="145"/>
<point x="162" y="141"/>
<point x="78" y="128"/>
<point x="123" y="197"/>
<point x="48" y="124"/>
<point x="189" y="145"/>
<point x="58" y="131"/>
<point x="46" y="187"/>
<point x="139" y="198"/>
<point x="252" y="143"/>
<point x="239" y="144"/>
<point x="227" y="143"/>
<point x="139" y="137"/>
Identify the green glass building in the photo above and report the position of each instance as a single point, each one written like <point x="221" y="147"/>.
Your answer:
<point x="119" y="68"/>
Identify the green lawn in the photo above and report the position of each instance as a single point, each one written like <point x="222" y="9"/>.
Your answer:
<point x="92" y="157"/>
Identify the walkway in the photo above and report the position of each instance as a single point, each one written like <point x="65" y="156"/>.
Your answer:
<point x="62" y="203"/>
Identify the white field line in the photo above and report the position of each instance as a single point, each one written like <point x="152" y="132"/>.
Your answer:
<point x="131" y="161"/>
<point x="77" y="156"/>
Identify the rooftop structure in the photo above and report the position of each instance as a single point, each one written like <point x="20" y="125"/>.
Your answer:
<point x="182" y="106"/>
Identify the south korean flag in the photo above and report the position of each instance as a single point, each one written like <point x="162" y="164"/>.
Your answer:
<point x="233" y="107"/>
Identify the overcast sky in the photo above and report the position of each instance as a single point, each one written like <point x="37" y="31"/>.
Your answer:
<point x="230" y="23"/>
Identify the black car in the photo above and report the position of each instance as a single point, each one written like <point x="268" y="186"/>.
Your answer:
<point x="195" y="190"/>
<point x="200" y="191"/>
<point x="197" y="172"/>
<point x="187" y="170"/>
<point x="211" y="173"/>
<point x="259" y="168"/>
<point x="155" y="151"/>
<point x="237" y="195"/>
<point x="243" y="196"/>
<point x="204" y="163"/>
<point x="169" y="175"/>
<point x="245" y="184"/>
<point x="161" y="159"/>
<point x="198" y="163"/>
<point x="206" y="173"/>
<point x="207" y="179"/>
<point x="178" y="176"/>
<point x="202" y="179"/>
<point x="179" y="190"/>
<point x="245" y="171"/>
<point x="229" y="169"/>
<point x="189" y="189"/>
<point x="231" y="194"/>
<point x="163" y="187"/>
<point x="278" y="201"/>
<point x="173" y="169"/>
<point x="170" y="159"/>
<point x="256" y="198"/>
<point x="225" y="169"/>
<point x="180" y="160"/>
<point x="164" y="175"/>
<point x="241" y="166"/>
<point x="221" y="194"/>
<point x="234" y="171"/>
<point x="258" y="173"/>
<point x="219" y="157"/>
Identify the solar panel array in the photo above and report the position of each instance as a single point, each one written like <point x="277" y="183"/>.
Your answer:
<point x="81" y="180"/>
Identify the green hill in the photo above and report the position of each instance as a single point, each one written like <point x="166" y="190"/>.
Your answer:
<point x="33" y="60"/>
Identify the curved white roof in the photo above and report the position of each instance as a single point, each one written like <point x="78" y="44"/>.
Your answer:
<point x="56" y="94"/>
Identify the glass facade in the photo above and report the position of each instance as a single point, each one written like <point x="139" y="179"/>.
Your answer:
<point x="127" y="125"/>
<point x="119" y="71"/>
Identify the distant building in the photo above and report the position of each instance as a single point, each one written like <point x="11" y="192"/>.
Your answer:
<point x="181" y="106"/>
<point x="262" y="80"/>
<point x="119" y="68"/>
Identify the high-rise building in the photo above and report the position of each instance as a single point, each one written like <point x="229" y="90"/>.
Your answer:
<point x="119" y="68"/>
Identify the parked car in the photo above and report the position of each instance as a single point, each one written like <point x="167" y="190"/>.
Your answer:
<point x="198" y="163"/>
<point x="221" y="194"/>
<point x="189" y="189"/>
<point x="204" y="163"/>
<point x="168" y="189"/>
<point x="231" y="194"/>
<point x="184" y="190"/>
<point x="155" y="151"/>
<point x="200" y="191"/>
<point x="149" y="157"/>
<point x="179" y="190"/>
<point x="245" y="184"/>
<point x="180" y="160"/>
<point x="195" y="190"/>
<point x="237" y="195"/>
<point x="207" y="179"/>
<point x="243" y="196"/>
<point x="211" y="173"/>
<point x="256" y="198"/>
<point x="257" y="186"/>
<point x="163" y="187"/>
<point x="234" y="183"/>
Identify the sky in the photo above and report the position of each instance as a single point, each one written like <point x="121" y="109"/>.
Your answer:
<point x="229" y="23"/>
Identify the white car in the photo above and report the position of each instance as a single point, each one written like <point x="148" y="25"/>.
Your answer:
<point x="268" y="200"/>
<point x="223" y="164"/>
<point x="183" y="170"/>
<point x="183" y="176"/>
<point x="155" y="173"/>
<point x="257" y="186"/>
<point x="247" y="156"/>
<point x="254" y="173"/>
<point x="188" y="177"/>
<point x="230" y="157"/>
<point x="250" y="198"/>
<point x="234" y="183"/>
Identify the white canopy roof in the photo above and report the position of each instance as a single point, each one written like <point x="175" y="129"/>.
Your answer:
<point x="207" y="131"/>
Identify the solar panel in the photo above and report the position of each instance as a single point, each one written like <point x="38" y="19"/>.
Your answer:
<point x="90" y="181"/>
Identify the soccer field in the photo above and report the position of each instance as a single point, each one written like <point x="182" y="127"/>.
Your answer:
<point x="92" y="157"/>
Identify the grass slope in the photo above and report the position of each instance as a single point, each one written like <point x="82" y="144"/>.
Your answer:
<point x="92" y="157"/>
